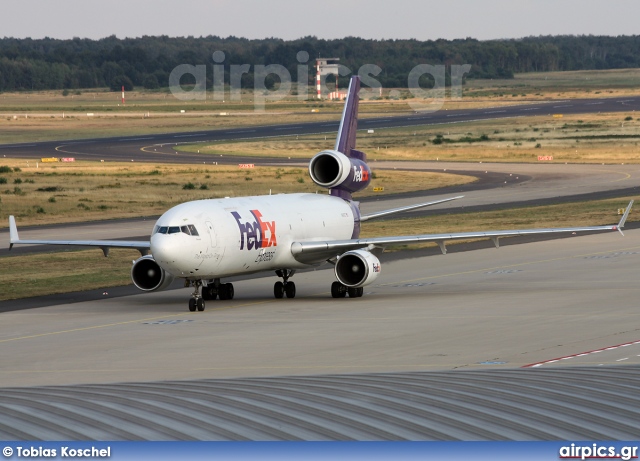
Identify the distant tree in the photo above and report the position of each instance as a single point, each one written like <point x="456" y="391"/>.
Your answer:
<point x="28" y="64"/>
<point x="151" y="82"/>
<point x="119" y="81"/>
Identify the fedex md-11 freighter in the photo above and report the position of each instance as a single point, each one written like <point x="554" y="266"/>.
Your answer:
<point x="206" y="241"/>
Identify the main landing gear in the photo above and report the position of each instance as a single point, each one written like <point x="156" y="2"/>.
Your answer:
<point x="215" y="289"/>
<point x="212" y="291"/>
<point x="284" y="287"/>
<point x="338" y="290"/>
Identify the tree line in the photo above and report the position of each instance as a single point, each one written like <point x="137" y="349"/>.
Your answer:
<point x="45" y="64"/>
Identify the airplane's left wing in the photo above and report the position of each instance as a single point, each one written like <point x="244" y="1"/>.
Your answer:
<point x="309" y="251"/>
<point x="104" y="245"/>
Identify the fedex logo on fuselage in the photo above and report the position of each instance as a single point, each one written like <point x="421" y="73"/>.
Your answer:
<point x="360" y="174"/>
<point x="257" y="233"/>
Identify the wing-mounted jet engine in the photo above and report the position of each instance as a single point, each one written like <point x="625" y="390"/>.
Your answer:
<point x="147" y="275"/>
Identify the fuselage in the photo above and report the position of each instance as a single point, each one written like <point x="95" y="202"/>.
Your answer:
<point x="208" y="239"/>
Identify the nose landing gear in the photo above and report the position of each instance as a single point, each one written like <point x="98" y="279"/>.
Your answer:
<point x="196" y="301"/>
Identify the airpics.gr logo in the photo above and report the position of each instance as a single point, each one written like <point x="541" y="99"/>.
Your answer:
<point x="256" y="234"/>
<point x="360" y="174"/>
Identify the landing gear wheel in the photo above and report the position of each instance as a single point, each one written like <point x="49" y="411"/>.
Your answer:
<point x="209" y="293"/>
<point x="230" y="290"/>
<point x="200" y="304"/>
<point x="355" y="292"/>
<point x="338" y="290"/>
<point x="278" y="290"/>
<point x="284" y="287"/>
<point x="192" y="305"/>
<point x="290" y="289"/>
<point x="226" y="291"/>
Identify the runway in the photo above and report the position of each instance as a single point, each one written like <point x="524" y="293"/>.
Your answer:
<point x="127" y="148"/>
<point x="486" y="309"/>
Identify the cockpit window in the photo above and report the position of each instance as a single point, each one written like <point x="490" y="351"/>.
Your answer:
<point x="189" y="229"/>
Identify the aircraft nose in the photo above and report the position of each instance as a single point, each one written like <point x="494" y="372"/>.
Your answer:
<point x="164" y="250"/>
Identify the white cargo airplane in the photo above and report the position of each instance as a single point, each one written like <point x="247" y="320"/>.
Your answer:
<point x="205" y="241"/>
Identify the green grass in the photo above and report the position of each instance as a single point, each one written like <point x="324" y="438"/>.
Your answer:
<point x="585" y="83"/>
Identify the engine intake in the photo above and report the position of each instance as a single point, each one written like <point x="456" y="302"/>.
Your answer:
<point x="147" y="275"/>
<point x="333" y="169"/>
<point x="357" y="268"/>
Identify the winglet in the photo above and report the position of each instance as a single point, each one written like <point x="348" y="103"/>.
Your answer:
<point x="623" y="220"/>
<point x="13" y="232"/>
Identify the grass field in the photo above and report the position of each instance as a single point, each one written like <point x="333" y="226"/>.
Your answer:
<point x="86" y="191"/>
<point x="60" y="272"/>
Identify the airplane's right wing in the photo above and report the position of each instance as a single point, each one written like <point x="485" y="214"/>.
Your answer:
<point x="142" y="246"/>
<point x="310" y="251"/>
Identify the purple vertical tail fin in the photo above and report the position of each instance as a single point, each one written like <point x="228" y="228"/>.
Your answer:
<point x="346" y="140"/>
<point x="344" y="170"/>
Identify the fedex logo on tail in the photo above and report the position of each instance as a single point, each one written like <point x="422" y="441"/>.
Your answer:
<point x="256" y="233"/>
<point x="360" y="174"/>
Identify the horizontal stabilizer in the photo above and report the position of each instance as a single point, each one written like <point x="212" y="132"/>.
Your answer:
<point x="380" y="214"/>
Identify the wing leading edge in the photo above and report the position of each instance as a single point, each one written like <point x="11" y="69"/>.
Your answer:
<point x="142" y="246"/>
<point x="314" y="251"/>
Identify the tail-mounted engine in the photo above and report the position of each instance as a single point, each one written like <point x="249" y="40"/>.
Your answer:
<point x="147" y="275"/>
<point x="357" y="268"/>
<point x="334" y="170"/>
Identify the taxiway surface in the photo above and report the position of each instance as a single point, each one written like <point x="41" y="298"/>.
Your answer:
<point x="490" y="308"/>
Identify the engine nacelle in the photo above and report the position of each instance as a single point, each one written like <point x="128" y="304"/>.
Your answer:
<point x="357" y="268"/>
<point x="333" y="169"/>
<point x="147" y="275"/>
